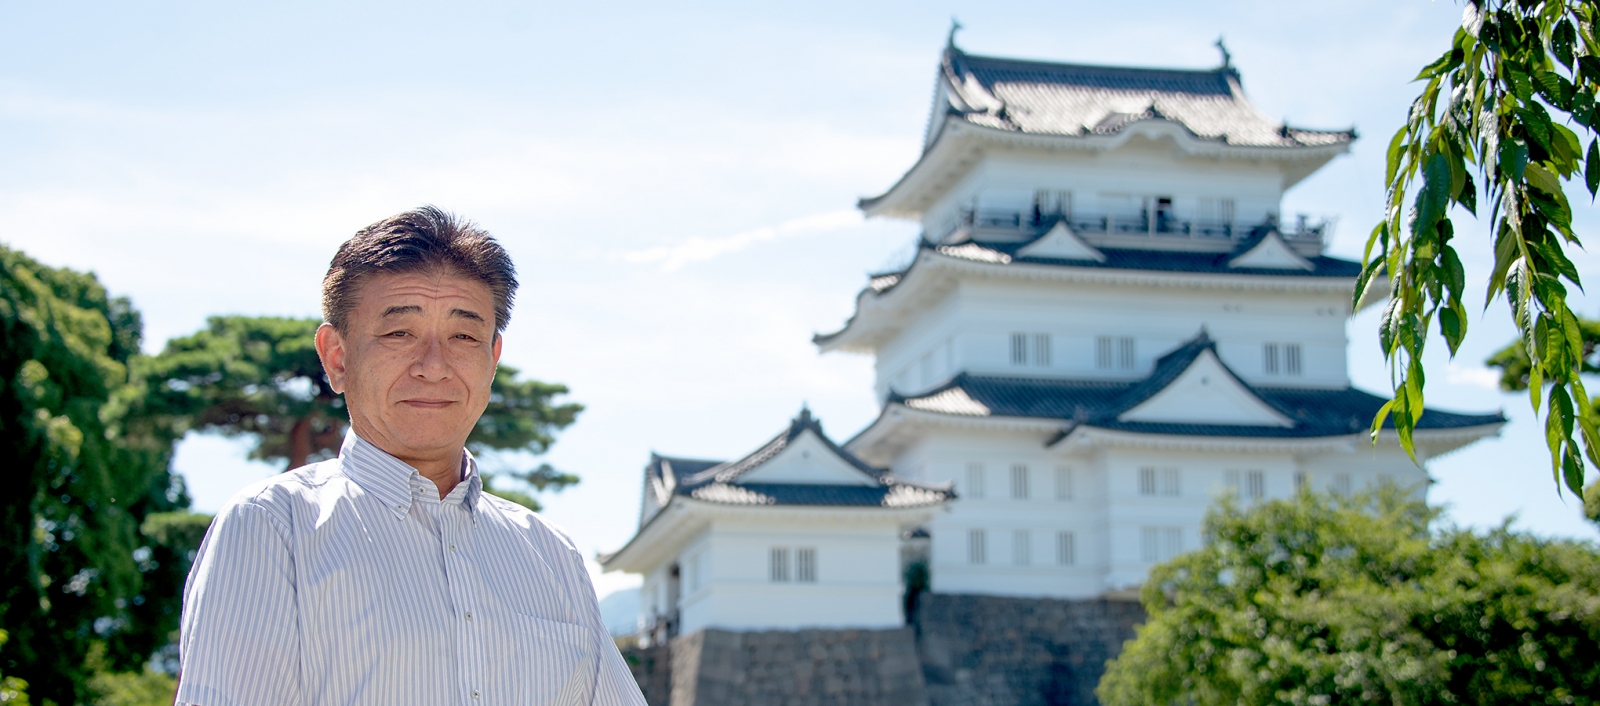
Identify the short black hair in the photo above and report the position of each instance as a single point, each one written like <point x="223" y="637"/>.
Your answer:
<point x="426" y="239"/>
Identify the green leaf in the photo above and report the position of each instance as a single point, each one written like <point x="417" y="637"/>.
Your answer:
<point x="1450" y="327"/>
<point x="1439" y="66"/>
<point x="1569" y="149"/>
<point x="1364" y="281"/>
<point x="1591" y="170"/>
<point x="1589" y="68"/>
<point x="1536" y="125"/>
<point x="1386" y="326"/>
<point x="1394" y="153"/>
<point x="1468" y="195"/>
<point x="1554" y="88"/>
<point x="1454" y="275"/>
<point x="1572" y="470"/>
<point x="1561" y="41"/>
<point x="1513" y="160"/>
<point x="1434" y="196"/>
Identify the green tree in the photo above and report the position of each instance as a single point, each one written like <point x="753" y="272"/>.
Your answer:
<point x="1326" y="600"/>
<point x="1504" y="103"/>
<point x="86" y="469"/>
<point x="260" y="378"/>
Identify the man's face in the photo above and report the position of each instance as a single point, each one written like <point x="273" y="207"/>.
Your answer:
<point x="416" y="362"/>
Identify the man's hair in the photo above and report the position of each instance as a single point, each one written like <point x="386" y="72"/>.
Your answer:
<point x="426" y="240"/>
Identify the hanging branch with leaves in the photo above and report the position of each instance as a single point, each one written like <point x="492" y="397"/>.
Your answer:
<point x="1497" y="105"/>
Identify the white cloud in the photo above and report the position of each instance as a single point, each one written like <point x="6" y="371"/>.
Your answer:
<point x="697" y="249"/>
<point x="1476" y="376"/>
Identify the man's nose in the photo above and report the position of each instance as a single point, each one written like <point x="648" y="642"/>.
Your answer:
<point x="430" y="365"/>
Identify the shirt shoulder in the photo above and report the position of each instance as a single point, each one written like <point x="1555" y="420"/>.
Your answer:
<point x="281" y="493"/>
<point x="528" y="521"/>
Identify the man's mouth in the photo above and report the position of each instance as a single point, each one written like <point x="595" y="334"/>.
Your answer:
<point x="426" y="403"/>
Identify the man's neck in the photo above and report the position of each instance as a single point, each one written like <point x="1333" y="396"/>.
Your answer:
<point x="444" y="474"/>
<point x="445" y="470"/>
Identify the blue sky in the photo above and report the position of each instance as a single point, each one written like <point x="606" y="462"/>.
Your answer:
<point x="675" y="182"/>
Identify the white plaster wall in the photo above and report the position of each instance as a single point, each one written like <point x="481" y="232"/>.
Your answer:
<point x="858" y="578"/>
<point x="976" y="322"/>
<point x="1107" y="512"/>
<point x="945" y="458"/>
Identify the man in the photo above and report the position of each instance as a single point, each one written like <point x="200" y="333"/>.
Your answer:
<point x="387" y="575"/>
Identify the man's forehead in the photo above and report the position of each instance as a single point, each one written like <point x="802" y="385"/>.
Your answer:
<point x="420" y="287"/>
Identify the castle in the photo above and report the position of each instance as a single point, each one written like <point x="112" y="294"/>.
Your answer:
<point x="1107" y="324"/>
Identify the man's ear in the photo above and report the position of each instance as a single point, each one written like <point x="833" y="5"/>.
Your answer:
<point x="498" y="339"/>
<point x="330" y="348"/>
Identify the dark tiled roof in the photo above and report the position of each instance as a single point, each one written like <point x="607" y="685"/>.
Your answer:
<point x="893" y="495"/>
<point x="1005" y="253"/>
<point x="718" y="481"/>
<point x="1314" y="412"/>
<point x="1075" y="99"/>
<point x="1151" y="260"/>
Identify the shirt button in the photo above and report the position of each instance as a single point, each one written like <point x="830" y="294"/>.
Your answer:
<point x="474" y="694"/>
<point x="469" y="616"/>
<point x="452" y="546"/>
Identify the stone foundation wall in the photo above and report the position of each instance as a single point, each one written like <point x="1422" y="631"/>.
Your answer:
<point x="797" y="668"/>
<point x="959" y="651"/>
<point x="1018" y="651"/>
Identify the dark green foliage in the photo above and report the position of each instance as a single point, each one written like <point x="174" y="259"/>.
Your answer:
<point x="251" y="376"/>
<point x="85" y="470"/>
<point x="1503" y="102"/>
<point x="1327" y="600"/>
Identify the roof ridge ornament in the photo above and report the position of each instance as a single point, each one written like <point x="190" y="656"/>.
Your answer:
<point x="1227" y="58"/>
<point x="955" y="26"/>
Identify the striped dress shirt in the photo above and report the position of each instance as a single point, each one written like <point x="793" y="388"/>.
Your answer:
<point x="351" y="582"/>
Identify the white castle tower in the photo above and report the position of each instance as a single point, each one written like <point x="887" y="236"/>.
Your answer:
<point x="1108" y="323"/>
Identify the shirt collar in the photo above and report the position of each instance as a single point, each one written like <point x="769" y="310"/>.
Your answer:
<point x="395" y="483"/>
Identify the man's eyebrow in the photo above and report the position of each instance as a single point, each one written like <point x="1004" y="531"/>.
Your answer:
<point x="404" y="309"/>
<point x="465" y="314"/>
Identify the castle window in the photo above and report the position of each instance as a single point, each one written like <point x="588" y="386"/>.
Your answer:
<point x="1063" y="483"/>
<point x="1281" y="359"/>
<point x="1247" y="484"/>
<point x="1030" y="349"/>
<point x="1021" y="551"/>
<point x="1019" y="481"/>
<point x="1301" y="480"/>
<point x="1159" y="481"/>
<point x="805" y="565"/>
<point x="977" y="547"/>
<point x="1066" y="552"/>
<point x="974" y="487"/>
<point x="780" y="564"/>
<point x="1157" y="544"/>
<point x="1215" y="217"/>
<point x="1113" y="352"/>
<point x="1341" y="484"/>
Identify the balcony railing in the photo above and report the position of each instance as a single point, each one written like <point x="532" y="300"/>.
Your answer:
<point x="1164" y="224"/>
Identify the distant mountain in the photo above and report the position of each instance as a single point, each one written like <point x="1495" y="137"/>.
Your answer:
<point x="620" y="611"/>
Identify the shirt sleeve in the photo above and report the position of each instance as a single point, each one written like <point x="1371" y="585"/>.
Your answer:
<point x="239" y="641"/>
<point x="615" y="685"/>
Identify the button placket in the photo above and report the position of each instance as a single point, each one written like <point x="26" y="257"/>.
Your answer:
<point x="463" y="589"/>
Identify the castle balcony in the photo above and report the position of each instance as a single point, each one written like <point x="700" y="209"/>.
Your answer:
<point x="1162" y="230"/>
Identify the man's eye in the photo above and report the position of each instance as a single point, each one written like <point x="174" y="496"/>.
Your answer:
<point x="397" y="334"/>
